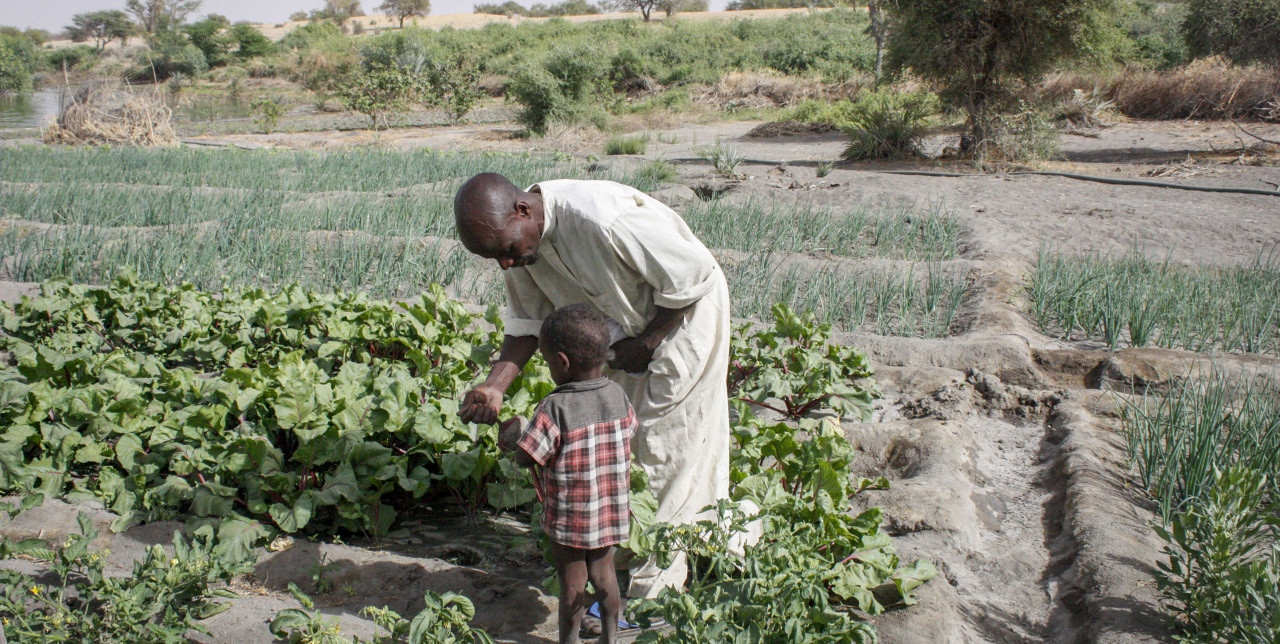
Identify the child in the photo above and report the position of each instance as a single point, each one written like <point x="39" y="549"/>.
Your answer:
<point x="580" y="435"/>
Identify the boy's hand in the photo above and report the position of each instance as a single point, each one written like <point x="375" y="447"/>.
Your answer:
<point x="510" y="433"/>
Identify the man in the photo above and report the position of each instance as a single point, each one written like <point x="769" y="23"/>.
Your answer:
<point x="566" y="241"/>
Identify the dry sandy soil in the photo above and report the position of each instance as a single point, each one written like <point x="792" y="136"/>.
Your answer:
<point x="1002" y="445"/>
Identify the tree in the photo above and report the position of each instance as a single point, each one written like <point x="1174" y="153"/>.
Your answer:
<point x="298" y="16"/>
<point x="671" y="7"/>
<point x="340" y="11"/>
<point x="381" y="90"/>
<point x="508" y="8"/>
<point x="212" y="38"/>
<point x="1246" y="31"/>
<point x="15" y="77"/>
<point x="878" y="33"/>
<point x="159" y="15"/>
<point x="405" y="8"/>
<point x="977" y="49"/>
<point x="101" y="27"/>
<point x="645" y="7"/>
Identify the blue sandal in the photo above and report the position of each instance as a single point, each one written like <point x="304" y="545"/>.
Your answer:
<point x="591" y="623"/>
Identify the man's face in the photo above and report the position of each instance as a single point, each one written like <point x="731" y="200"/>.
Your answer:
<point x="516" y="244"/>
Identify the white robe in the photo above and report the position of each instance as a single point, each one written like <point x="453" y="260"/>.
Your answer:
<point x="628" y="254"/>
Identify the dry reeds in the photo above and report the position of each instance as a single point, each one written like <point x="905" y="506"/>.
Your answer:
<point x="107" y="115"/>
<point x="1209" y="88"/>
<point x="754" y="90"/>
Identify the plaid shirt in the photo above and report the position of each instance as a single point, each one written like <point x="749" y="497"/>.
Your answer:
<point x="581" y="435"/>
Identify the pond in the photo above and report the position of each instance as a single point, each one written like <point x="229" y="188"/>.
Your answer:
<point x="29" y="110"/>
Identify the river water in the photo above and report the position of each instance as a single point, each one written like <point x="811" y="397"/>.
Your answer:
<point x="29" y="110"/>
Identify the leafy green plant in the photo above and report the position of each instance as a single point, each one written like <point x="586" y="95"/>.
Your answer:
<point x="446" y="619"/>
<point x="161" y="601"/>
<point x="791" y="368"/>
<point x="888" y="126"/>
<point x="819" y="560"/>
<point x="1221" y="579"/>
<point x="267" y="112"/>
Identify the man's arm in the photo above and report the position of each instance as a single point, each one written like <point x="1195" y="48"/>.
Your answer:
<point x="482" y="404"/>
<point x="634" y="354"/>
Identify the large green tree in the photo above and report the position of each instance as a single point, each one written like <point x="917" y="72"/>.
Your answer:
<point x="1246" y="31"/>
<point x="977" y="49"/>
<point x="405" y="8"/>
<point x="101" y="27"/>
<point x="159" y="15"/>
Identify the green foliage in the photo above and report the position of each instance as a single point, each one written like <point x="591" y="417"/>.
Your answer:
<point x="454" y="86"/>
<point x="626" y="144"/>
<point x="250" y="43"/>
<point x="1152" y="35"/>
<point x="101" y="27"/>
<point x="569" y="87"/>
<point x="298" y="410"/>
<point x="15" y="76"/>
<point x="888" y="126"/>
<point x="1179" y="441"/>
<point x="71" y="57"/>
<point x="978" y="49"/>
<point x="814" y="562"/>
<point x="171" y="53"/>
<point x="539" y="10"/>
<point x="381" y="91"/>
<point x="445" y="619"/>
<point x="213" y="39"/>
<point x="402" y="9"/>
<point x="154" y="16"/>
<point x="161" y="601"/>
<point x="1221" y="582"/>
<point x="793" y="364"/>
<point x="1243" y="30"/>
<point x="725" y="159"/>
<point x="1229" y="308"/>
<point x="315" y="35"/>
<point x="746" y="5"/>
<point x="267" y="112"/>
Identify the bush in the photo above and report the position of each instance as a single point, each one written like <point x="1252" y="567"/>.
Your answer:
<point x="569" y="88"/>
<point x="1246" y="31"/>
<point x="15" y="77"/>
<point x="1221" y="582"/>
<point x="171" y="53"/>
<point x="213" y="40"/>
<point x="267" y="112"/>
<point x="888" y="126"/>
<point x="250" y="43"/>
<point x="1027" y="134"/>
<point x="380" y="91"/>
<point x="71" y="57"/>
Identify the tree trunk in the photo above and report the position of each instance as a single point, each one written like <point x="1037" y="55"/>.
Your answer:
<point x="877" y="32"/>
<point x="402" y="22"/>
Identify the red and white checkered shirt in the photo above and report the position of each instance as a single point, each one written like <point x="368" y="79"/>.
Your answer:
<point x="581" y="436"/>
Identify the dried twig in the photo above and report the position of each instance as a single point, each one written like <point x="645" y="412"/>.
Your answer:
<point x="1254" y="135"/>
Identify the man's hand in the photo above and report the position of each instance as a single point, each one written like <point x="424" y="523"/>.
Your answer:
<point x="633" y="355"/>
<point x="481" y="405"/>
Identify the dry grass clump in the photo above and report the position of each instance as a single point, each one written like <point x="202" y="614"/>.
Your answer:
<point x="1207" y="88"/>
<point x="756" y="90"/>
<point x="106" y="115"/>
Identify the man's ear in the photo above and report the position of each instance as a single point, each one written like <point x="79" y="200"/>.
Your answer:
<point x="563" y="361"/>
<point x="522" y="208"/>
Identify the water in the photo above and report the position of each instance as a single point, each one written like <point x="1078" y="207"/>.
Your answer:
<point x="29" y="110"/>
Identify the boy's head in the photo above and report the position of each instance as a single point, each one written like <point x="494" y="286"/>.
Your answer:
<point x="574" y="340"/>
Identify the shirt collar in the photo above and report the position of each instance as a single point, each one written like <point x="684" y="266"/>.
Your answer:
<point x="582" y="385"/>
<point x="548" y="209"/>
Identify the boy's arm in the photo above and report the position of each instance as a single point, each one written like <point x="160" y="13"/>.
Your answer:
<point x="509" y="440"/>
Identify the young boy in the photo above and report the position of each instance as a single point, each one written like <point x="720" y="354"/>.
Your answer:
<point x="580" y="435"/>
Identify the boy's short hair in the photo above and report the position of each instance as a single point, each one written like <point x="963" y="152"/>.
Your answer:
<point x="579" y="332"/>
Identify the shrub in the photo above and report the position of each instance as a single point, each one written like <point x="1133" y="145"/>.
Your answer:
<point x="1027" y="134"/>
<point x="626" y="145"/>
<point x="171" y="53"/>
<point x="1221" y="582"/>
<point x="250" y="43"/>
<point x="380" y="91"/>
<point x="213" y="40"/>
<point x="1208" y="88"/>
<point x="569" y="87"/>
<point x="267" y="112"/>
<point x="71" y="57"/>
<point x="1246" y="31"/>
<point x="454" y="86"/>
<point x="724" y="158"/>
<point x="14" y="75"/>
<point x="888" y="126"/>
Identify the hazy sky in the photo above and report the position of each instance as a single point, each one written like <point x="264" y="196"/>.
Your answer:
<point x="55" y="15"/>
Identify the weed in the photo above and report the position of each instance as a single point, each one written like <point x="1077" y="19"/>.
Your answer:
<point x="888" y="126"/>
<point x="825" y="169"/>
<point x="724" y="158"/>
<point x="626" y="144"/>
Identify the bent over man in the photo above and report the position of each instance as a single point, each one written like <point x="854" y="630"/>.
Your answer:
<point x="566" y="241"/>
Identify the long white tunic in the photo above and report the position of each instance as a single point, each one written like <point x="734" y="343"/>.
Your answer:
<point x="628" y="254"/>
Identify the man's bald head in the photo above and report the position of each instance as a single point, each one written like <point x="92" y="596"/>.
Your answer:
<point x="497" y="220"/>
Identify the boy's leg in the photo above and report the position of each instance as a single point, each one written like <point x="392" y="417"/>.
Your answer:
<point x="571" y="569"/>
<point x="605" y="579"/>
